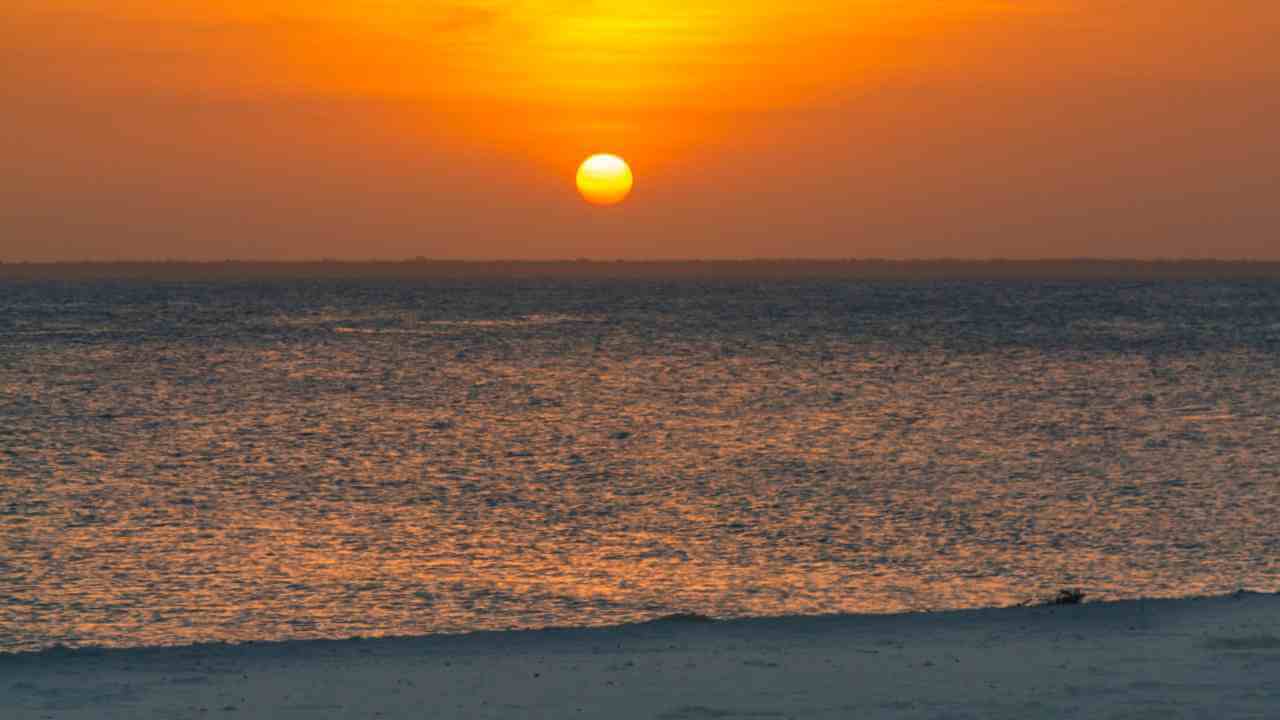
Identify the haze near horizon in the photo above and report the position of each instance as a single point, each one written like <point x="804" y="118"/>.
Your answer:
<point x="282" y="130"/>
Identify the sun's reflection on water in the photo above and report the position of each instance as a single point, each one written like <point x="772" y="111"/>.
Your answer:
<point x="559" y="468"/>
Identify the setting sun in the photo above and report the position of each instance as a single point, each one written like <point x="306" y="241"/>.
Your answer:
<point x="604" y="179"/>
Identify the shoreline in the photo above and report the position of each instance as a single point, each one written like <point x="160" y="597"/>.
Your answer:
<point x="675" y="619"/>
<point x="1131" y="658"/>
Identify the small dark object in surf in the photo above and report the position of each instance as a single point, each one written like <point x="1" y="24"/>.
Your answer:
<point x="1068" y="596"/>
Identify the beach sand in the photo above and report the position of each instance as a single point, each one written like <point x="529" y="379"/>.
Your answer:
<point x="1199" y="658"/>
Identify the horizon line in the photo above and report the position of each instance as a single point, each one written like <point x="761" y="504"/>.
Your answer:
<point x="710" y="270"/>
<point x="661" y="261"/>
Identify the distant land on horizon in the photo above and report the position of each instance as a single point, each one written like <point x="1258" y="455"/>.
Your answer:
<point x="1082" y="269"/>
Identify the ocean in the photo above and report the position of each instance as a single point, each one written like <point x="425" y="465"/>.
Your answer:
<point x="286" y="458"/>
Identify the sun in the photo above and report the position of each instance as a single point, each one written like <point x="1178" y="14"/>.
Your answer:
<point x="604" y="179"/>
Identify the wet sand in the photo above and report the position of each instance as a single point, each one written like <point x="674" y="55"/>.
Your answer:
<point x="1213" y="657"/>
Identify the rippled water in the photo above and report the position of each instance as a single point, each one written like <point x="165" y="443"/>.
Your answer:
<point x="183" y="462"/>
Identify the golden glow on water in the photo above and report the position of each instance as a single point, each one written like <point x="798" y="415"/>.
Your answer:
<point x="360" y="461"/>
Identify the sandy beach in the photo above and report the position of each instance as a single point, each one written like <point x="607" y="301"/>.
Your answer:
<point x="1212" y="657"/>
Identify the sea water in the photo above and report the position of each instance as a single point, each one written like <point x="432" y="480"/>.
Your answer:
<point x="186" y="462"/>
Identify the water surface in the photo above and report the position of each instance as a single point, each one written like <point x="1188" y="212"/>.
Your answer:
<point x="232" y="461"/>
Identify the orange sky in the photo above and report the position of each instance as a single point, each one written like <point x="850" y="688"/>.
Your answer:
<point x="290" y="129"/>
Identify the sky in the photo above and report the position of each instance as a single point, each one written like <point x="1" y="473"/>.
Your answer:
<point x="391" y="129"/>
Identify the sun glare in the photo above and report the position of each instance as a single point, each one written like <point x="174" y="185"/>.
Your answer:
<point x="604" y="179"/>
